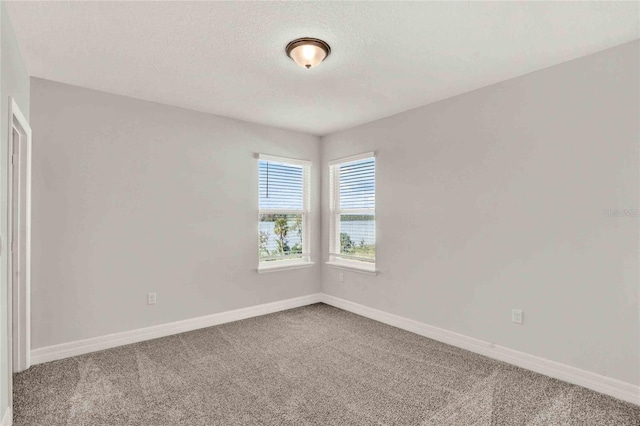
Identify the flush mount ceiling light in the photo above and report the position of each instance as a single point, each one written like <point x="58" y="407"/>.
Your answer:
<point x="308" y="52"/>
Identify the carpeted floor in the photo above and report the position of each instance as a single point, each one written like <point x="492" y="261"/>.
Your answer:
<point x="316" y="365"/>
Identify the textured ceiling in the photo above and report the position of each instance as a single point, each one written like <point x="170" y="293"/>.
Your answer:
<point x="227" y="58"/>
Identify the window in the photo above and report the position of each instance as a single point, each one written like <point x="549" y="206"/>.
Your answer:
<point x="283" y="203"/>
<point x="352" y="187"/>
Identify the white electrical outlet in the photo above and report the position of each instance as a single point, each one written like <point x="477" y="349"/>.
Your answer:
<point x="341" y="277"/>
<point x="516" y="316"/>
<point x="151" y="299"/>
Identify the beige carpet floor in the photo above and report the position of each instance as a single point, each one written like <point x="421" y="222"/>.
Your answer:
<point x="315" y="365"/>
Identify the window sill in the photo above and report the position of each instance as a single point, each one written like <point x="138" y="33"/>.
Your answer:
<point x="263" y="269"/>
<point x="353" y="266"/>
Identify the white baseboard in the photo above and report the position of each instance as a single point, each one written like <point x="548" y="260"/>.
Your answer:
<point x="79" y="347"/>
<point x="606" y="385"/>
<point x="7" y="419"/>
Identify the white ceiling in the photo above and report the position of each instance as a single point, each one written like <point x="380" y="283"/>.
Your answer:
<point x="227" y="58"/>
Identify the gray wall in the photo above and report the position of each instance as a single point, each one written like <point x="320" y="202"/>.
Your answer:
<point x="131" y="197"/>
<point x="495" y="200"/>
<point x="14" y="82"/>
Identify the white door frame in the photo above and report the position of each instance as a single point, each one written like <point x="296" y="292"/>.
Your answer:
<point x="19" y="239"/>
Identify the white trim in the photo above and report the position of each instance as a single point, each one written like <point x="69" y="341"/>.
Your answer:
<point x="334" y="196"/>
<point x="335" y="259"/>
<point x="284" y="160"/>
<point x="361" y="267"/>
<point x="606" y="385"/>
<point x="20" y="339"/>
<point x="304" y="212"/>
<point x="282" y="266"/>
<point x="354" y="211"/>
<point x="338" y="257"/>
<point x="281" y="211"/>
<point x="79" y="347"/>
<point x="352" y="158"/>
<point x="290" y="256"/>
<point x="7" y="419"/>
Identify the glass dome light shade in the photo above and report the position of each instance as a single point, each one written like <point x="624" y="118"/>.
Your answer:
<point x="308" y="52"/>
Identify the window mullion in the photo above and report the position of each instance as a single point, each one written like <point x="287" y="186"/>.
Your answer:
<point x="280" y="211"/>
<point x="356" y="211"/>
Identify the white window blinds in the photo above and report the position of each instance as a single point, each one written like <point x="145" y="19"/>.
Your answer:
<point x="280" y="186"/>
<point x="358" y="185"/>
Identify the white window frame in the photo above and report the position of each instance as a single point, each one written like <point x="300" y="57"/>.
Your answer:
<point x="305" y="259"/>
<point x="336" y="259"/>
